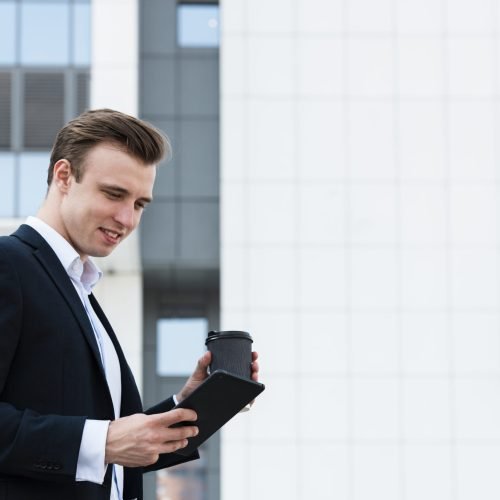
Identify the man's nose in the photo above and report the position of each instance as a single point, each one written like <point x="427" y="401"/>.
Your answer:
<point x="126" y="216"/>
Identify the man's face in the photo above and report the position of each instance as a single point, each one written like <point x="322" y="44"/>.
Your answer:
<point x="101" y="210"/>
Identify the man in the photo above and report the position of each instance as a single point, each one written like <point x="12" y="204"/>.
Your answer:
<point x="72" y="425"/>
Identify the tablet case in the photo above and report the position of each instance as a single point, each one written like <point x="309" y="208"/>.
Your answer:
<point x="216" y="400"/>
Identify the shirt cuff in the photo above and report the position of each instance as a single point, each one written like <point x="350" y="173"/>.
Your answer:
<point x="91" y="466"/>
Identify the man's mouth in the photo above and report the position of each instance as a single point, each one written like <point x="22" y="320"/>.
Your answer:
<point x="112" y="236"/>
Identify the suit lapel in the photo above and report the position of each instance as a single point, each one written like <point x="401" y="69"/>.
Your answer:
<point x="56" y="272"/>
<point x="131" y="400"/>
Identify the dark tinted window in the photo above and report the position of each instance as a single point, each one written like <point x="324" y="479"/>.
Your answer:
<point x="43" y="108"/>
<point x="5" y="109"/>
<point x="82" y="92"/>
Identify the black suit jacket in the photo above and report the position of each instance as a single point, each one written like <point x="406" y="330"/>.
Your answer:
<point x="52" y="380"/>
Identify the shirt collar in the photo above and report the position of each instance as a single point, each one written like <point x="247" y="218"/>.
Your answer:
<point x="85" y="272"/>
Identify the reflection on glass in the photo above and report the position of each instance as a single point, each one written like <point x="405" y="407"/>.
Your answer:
<point x="7" y="184"/>
<point x="32" y="177"/>
<point x="183" y="482"/>
<point x="198" y="25"/>
<point x="44" y="33"/>
<point x="7" y="33"/>
<point x="180" y="342"/>
<point x="81" y="34"/>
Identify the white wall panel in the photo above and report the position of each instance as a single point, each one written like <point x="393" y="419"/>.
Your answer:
<point x="471" y="66"/>
<point x="115" y="46"/>
<point x="420" y="67"/>
<point x="272" y="62"/>
<point x="270" y="17"/>
<point x="370" y="67"/>
<point x="320" y="151"/>
<point x="372" y="289"/>
<point x="329" y="22"/>
<point x="364" y="16"/>
<point x="317" y="79"/>
<point x="419" y="17"/>
<point x="470" y="16"/>
<point x="432" y="462"/>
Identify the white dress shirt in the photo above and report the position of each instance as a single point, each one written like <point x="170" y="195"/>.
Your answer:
<point x="84" y="275"/>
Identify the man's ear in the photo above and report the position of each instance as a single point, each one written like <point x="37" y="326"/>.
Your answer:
<point x="62" y="175"/>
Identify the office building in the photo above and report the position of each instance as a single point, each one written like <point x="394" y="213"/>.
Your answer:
<point x="333" y="190"/>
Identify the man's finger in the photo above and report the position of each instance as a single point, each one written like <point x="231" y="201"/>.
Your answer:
<point x="204" y="361"/>
<point x="173" y="416"/>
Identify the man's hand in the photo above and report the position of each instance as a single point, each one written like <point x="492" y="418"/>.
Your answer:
<point x="255" y="367"/>
<point x="138" y="440"/>
<point x="201" y="373"/>
<point x="255" y="371"/>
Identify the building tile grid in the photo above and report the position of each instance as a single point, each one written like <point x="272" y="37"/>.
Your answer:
<point x="360" y="246"/>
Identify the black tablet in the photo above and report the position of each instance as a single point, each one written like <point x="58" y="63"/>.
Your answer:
<point x="216" y="400"/>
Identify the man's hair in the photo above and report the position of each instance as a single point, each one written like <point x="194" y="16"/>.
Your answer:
<point x="131" y="135"/>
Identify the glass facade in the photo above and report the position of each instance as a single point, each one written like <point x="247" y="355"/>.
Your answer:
<point x="180" y="342"/>
<point x="5" y="109"/>
<point x="7" y="32"/>
<point x="43" y="113"/>
<point x="81" y="34"/>
<point x="186" y="481"/>
<point x="198" y="25"/>
<point x="28" y="36"/>
<point x="44" y="82"/>
<point x="41" y="44"/>
<point x="32" y="169"/>
<point x="7" y="178"/>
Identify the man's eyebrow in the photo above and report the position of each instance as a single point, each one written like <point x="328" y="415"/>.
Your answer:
<point x="120" y="190"/>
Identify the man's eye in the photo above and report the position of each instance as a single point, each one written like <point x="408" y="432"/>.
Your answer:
<point x="112" y="195"/>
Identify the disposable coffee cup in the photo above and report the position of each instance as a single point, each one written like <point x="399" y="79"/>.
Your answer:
<point x="231" y="351"/>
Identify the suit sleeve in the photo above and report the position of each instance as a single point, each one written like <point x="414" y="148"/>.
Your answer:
<point x="31" y="445"/>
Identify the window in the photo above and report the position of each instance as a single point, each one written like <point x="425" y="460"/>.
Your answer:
<point x="43" y="108"/>
<point x="52" y="33"/>
<point x="7" y="179"/>
<point x="180" y="342"/>
<point x="45" y="34"/>
<point x="44" y="82"/>
<point x="5" y="109"/>
<point x="197" y="25"/>
<point x="32" y="181"/>
<point x="82" y="92"/>
<point x="7" y="33"/>
<point x="186" y="481"/>
<point x="81" y="34"/>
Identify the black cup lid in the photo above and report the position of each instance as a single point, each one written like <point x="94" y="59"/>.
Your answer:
<point x="228" y="334"/>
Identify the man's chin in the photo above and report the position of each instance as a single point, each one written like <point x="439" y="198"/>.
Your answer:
<point x="101" y="252"/>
